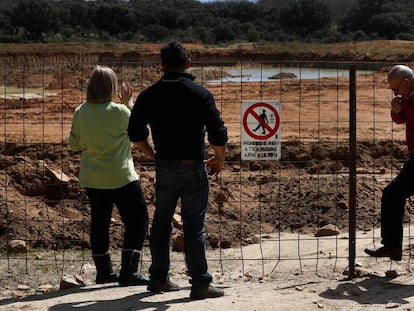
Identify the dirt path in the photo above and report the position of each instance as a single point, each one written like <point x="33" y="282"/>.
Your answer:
<point x="285" y="289"/>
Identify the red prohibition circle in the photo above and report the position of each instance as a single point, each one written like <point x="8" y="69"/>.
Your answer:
<point x="250" y="110"/>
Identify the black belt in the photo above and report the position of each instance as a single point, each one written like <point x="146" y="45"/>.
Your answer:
<point x="172" y="163"/>
<point x="187" y="162"/>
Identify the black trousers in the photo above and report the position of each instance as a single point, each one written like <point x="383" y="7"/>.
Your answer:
<point x="132" y="208"/>
<point x="393" y="201"/>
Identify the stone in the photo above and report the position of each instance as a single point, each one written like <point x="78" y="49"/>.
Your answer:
<point x="17" y="246"/>
<point x="327" y="230"/>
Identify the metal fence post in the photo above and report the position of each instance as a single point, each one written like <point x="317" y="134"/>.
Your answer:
<point x="352" y="169"/>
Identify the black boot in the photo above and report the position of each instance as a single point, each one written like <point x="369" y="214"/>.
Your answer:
<point x="104" y="272"/>
<point x="129" y="274"/>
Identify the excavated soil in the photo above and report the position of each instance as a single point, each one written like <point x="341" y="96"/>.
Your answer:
<point x="41" y="202"/>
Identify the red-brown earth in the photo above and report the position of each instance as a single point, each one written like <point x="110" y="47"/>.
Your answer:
<point x="41" y="202"/>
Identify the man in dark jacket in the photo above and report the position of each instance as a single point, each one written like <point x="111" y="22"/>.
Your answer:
<point x="179" y="112"/>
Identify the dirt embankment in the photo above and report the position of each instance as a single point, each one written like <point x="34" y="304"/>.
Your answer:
<point x="365" y="51"/>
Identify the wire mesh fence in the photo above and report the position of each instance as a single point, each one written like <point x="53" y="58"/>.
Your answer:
<point x="259" y="210"/>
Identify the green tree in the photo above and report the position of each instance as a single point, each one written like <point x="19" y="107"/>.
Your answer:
<point x="5" y="24"/>
<point x="223" y="32"/>
<point x="35" y="17"/>
<point x="155" y="33"/>
<point x="113" y="18"/>
<point x="252" y="34"/>
<point x="358" y="16"/>
<point x="389" y="25"/>
<point x="78" y="13"/>
<point x="305" y="17"/>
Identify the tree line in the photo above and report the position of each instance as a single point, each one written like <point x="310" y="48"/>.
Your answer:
<point x="217" y="22"/>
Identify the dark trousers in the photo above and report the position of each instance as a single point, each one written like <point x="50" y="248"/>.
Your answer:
<point x="132" y="208"/>
<point x="393" y="201"/>
<point x="189" y="183"/>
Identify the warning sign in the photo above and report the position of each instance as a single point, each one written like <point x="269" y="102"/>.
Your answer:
<point x="260" y="137"/>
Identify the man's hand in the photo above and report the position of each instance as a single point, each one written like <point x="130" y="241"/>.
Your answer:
<point x="397" y="104"/>
<point x="214" y="166"/>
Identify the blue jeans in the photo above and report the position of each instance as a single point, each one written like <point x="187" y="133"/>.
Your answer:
<point x="393" y="201"/>
<point x="132" y="208"/>
<point x="189" y="183"/>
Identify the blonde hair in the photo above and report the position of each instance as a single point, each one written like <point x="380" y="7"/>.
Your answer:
<point x="102" y="86"/>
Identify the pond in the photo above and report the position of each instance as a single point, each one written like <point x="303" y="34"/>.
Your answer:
<point x="266" y="73"/>
<point x="11" y="92"/>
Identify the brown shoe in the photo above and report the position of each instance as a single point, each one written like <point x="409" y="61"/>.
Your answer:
<point x="209" y="292"/>
<point x="393" y="253"/>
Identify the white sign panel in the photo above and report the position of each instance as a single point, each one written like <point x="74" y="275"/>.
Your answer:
<point x="260" y="130"/>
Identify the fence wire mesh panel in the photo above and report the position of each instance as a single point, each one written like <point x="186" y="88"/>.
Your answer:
<point x="263" y="215"/>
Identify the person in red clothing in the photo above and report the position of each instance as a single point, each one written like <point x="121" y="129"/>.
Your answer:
<point x="395" y="194"/>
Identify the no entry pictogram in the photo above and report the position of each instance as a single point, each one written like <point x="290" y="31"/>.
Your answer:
<point x="256" y="117"/>
<point x="260" y="135"/>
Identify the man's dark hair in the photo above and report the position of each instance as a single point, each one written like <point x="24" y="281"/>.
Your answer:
<point x="174" y="55"/>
